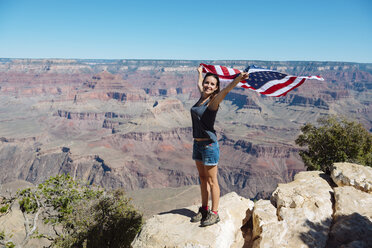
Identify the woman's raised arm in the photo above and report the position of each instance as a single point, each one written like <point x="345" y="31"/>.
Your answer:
<point x="200" y="79"/>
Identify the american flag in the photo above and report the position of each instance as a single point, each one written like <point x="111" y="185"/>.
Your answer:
<point x="265" y="81"/>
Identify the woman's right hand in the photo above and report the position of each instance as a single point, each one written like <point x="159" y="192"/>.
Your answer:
<point x="200" y="69"/>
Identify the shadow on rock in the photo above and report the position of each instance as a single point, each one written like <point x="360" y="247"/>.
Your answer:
<point x="247" y="233"/>
<point x="346" y="231"/>
<point x="352" y="230"/>
<point x="318" y="233"/>
<point x="182" y="211"/>
<point x="328" y="178"/>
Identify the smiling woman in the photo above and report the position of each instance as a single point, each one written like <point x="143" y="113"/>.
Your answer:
<point x="206" y="152"/>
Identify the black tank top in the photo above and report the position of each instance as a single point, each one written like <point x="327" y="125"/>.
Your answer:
<point x="203" y="121"/>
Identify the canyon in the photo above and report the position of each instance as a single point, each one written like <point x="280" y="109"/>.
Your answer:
<point x="126" y="123"/>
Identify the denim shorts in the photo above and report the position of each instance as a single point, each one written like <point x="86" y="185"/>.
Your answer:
<point x="206" y="151"/>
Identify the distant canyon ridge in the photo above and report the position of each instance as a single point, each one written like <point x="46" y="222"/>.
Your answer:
<point x="126" y="123"/>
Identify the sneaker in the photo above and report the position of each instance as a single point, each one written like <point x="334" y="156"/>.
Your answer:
<point x="201" y="215"/>
<point x="211" y="219"/>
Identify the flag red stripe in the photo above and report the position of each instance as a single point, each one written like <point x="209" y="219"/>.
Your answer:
<point x="247" y="86"/>
<point x="301" y="82"/>
<point x="278" y="86"/>
<point x="212" y="69"/>
<point x="209" y="68"/>
<point x="225" y="71"/>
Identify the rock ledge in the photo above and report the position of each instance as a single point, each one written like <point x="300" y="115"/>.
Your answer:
<point x="174" y="229"/>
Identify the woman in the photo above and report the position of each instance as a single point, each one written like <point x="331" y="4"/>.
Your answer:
<point x="205" y="148"/>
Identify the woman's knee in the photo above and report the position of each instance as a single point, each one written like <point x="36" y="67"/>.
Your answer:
<point x="212" y="181"/>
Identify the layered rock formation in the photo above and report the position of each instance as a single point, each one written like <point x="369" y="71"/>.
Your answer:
<point x="311" y="211"/>
<point x="134" y="116"/>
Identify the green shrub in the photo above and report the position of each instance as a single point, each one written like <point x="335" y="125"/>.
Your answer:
<point x="87" y="215"/>
<point x="4" y="209"/>
<point x="336" y="139"/>
<point x="110" y="221"/>
<point x="8" y="244"/>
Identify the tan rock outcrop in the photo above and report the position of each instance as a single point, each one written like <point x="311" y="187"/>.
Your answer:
<point x="349" y="200"/>
<point x="174" y="229"/>
<point x="302" y="217"/>
<point x="308" y="212"/>
<point x="355" y="175"/>
<point x="352" y="218"/>
<point x="266" y="225"/>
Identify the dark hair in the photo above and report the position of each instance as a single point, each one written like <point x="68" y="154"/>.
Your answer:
<point x="209" y="74"/>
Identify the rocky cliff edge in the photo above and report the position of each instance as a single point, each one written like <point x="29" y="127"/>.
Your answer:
<point x="314" y="210"/>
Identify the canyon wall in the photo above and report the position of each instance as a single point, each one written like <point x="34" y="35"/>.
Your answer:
<point x="126" y="123"/>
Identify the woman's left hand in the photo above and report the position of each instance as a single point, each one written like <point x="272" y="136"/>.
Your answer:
<point x="242" y="76"/>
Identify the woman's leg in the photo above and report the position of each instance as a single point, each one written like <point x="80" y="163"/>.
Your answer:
<point x="212" y="181"/>
<point x="204" y="187"/>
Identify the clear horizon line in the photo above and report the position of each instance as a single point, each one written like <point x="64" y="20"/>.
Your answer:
<point x="147" y="59"/>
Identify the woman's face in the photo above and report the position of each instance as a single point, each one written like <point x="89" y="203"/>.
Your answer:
<point x="210" y="85"/>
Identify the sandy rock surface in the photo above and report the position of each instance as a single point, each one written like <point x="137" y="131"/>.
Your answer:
<point x="266" y="225"/>
<point x="348" y="174"/>
<point x="302" y="216"/>
<point x="308" y="212"/>
<point x="174" y="229"/>
<point x="352" y="218"/>
<point x="349" y="200"/>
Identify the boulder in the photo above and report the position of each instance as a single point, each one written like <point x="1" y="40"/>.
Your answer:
<point x="352" y="218"/>
<point x="349" y="200"/>
<point x="353" y="231"/>
<point x="266" y="225"/>
<point x="299" y="215"/>
<point x="174" y="229"/>
<point x="348" y="174"/>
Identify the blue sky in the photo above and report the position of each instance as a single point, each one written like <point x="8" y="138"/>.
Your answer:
<point x="317" y="30"/>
